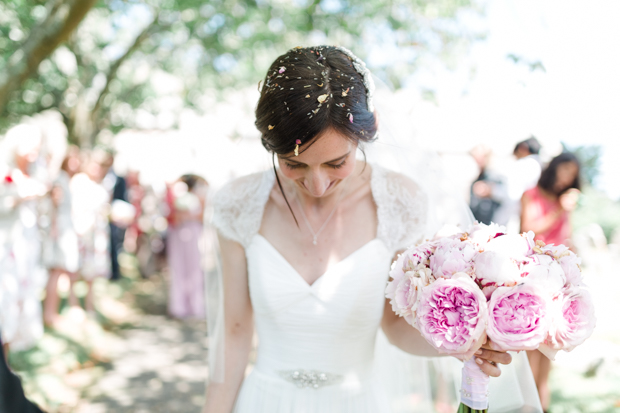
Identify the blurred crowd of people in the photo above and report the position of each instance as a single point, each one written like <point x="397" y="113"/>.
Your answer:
<point x="66" y="222"/>
<point x="529" y="195"/>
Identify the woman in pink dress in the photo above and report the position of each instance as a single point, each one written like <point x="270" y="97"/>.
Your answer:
<point x="545" y="209"/>
<point x="187" y="199"/>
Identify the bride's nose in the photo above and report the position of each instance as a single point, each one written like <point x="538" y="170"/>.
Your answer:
<point x="317" y="183"/>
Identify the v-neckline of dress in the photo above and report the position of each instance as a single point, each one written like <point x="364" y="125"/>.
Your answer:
<point x="327" y="271"/>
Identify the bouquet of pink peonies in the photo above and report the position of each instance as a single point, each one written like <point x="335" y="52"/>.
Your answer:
<point x="522" y="294"/>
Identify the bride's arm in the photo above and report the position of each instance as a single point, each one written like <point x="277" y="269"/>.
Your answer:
<point x="402" y="335"/>
<point x="239" y="328"/>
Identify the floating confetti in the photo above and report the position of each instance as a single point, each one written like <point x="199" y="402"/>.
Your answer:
<point x="322" y="98"/>
<point x="282" y="70"/>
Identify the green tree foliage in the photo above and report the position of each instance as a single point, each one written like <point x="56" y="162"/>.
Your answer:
<point x="590" y="158"/>
<point x="135" y="62"/>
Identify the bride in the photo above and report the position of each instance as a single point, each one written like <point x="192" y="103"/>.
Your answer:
<point x="306" y="249"/>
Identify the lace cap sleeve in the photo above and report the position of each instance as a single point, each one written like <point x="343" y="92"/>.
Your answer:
<point x="238" y="207"/>
<point x="402" y="209"/>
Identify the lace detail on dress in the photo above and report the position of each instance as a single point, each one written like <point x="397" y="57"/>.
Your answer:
<point x="402" y="209"/>
<point x="238" y="207"/>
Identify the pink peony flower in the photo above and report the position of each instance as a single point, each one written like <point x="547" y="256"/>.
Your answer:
<point x="518" y="317"/>
<point x="494" y="269"/>
<point x="545" y="272"/>
<point x="573" y="319"/>
<point x="404" y="293"/>
<point x="568" y="261"/>
<point x="452" y="256"/>
<point x="452" y="314"/>
<point x="414" y="257"/>
<point x="529" y="237"/>
<point x="570" y="264"/>
<point x="514" y="246"/>
<point x="480" y="234"/>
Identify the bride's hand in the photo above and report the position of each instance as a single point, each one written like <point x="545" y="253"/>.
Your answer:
<point x="487" y="359"/>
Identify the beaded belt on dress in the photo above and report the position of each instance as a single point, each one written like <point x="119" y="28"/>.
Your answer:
<point x="310" y="378"/>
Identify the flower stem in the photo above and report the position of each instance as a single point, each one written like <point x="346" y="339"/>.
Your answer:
<point x="466" y="409"/>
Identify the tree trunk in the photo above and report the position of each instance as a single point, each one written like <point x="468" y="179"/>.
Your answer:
<point x="64" y="17"/>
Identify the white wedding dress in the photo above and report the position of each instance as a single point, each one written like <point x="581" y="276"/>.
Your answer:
<point x="319" y="343"/>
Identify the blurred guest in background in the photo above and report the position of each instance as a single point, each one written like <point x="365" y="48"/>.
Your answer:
<point x="545" y="210"/>
<point x="135" y="195"/>
<point x="187" y="199"/>
<point x="117" y="188"/>
<point x="481" y="201"/>
<point x="520" y="177"/>
<point x="60" y="245"/>
<point x="21" y="276"/>
<point x="12" y="398"/>
<point x="91" y="204"/>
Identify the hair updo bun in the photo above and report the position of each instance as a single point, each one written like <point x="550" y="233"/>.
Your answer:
<point x="308" y="90"/>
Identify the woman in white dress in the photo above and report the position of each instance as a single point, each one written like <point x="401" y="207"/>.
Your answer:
<point x="22" y="278"/>
<point x="60" y="245"/>
<point x="91" y="207"/>
<point x="306" y="249"/>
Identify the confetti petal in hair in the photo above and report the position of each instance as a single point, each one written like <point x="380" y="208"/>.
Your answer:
<point x="316" y="110"/>
<point x="282" y="70"/>
<point x="271" y="127"/>
<point x="307" y="96"/>
<point x="351" y="117"/>
<point x="307" y="86"/>
<point x="321" y="85"/>
<point x="345" y="92"/>
<point x="322" y="98"/>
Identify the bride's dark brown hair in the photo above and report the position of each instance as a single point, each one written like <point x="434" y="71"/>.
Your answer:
<point x="307" y="91"/>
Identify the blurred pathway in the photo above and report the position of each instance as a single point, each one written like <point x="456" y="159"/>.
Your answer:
<point x="161" y="367"/>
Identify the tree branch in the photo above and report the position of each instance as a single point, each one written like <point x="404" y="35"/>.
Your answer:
<point x="64" y="17"/>
<point x="117" y="64"/>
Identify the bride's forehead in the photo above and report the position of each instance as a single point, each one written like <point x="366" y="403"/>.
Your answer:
<point x="329" y="143"/>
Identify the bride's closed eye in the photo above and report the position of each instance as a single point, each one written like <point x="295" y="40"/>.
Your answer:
<point x="299" y="165"/>
<point x="338" y="166"/>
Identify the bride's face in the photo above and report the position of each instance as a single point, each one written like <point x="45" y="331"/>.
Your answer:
<point x="319" y="169"/>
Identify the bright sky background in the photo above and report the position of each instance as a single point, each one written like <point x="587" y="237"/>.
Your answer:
<point x="490" y="99"/>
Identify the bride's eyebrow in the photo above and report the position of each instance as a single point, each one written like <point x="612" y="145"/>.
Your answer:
<point x="332" y="161"/>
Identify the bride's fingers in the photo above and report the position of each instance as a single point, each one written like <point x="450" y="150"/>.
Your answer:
<point x="493" y="356"/>
<point x="488" y="368"/>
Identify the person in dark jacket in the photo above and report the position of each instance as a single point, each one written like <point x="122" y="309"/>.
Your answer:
<point x="12" y="398"/>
